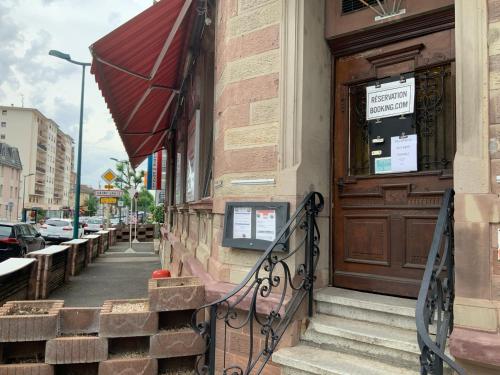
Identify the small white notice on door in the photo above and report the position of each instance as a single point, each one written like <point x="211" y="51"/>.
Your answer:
<point x="265" y="225"/>
<point x="242" y="222"/>
<point x="390" y="99"/>
<point x="404" y="153"/>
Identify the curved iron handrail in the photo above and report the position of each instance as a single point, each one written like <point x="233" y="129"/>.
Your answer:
<point x="269" y="273"/>
<point x="436" y="295"/>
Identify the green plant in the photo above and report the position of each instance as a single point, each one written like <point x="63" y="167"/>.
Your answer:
<point x="158" y="214"/>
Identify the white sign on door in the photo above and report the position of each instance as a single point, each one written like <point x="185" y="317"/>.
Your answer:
<point x="404" y="153"/>
<point x="390" y="99"/>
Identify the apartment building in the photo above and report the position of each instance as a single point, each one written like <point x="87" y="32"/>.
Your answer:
<point x="46" y="154"/>
<point x="10" y="176"/>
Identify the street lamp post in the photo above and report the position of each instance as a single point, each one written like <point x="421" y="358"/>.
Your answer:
<point x="76" y="218"/>
<point x="24" y="193"/>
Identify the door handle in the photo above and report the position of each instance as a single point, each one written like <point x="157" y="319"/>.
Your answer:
<point x="340" y="184"/>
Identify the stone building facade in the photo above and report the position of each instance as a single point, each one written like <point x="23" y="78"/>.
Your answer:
<point x="269" y="113"/>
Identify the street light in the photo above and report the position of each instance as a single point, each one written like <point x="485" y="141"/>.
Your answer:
<point x="24" y="194"/>
<point x="76" y="219"/>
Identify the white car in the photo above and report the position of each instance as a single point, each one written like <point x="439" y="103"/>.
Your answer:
<point x="93" y="224"/>
<point x="59" y="230"/>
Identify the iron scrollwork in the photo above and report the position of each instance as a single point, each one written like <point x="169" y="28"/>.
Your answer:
<point x="436" y="296"/>
<point x="265" y="302"/>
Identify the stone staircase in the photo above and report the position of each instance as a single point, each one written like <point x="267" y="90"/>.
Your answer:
<point x="355" y="333"/>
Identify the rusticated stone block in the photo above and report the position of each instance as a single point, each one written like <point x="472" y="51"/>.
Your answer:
<point x="27" y="369"/>
<point x="176" y="343"/>
<point x="29" y="320"/>
<point x="127" y="318"/>
<point x="129" y="366"/>
<point x="79" y="349"/>
<point x="172" y="294"/>
<point x="79" y="320"/>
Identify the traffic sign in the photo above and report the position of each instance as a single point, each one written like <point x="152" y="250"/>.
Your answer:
<point x="108" y="200"/>
<point x="108" y="193"/>
<point x="109" y="186"/>
<point x="120" y="203"/>
<point x="109" y="176"/>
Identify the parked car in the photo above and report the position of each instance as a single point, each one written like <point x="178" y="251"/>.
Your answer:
<point x="59" y="230"/>
<point x="18" y="239"/>
<point x="93" y="225"/>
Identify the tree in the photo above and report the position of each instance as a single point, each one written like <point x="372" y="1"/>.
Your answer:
<point x="159" y="214"/>
<point x="145" y="200"/>
<point x="92" y="204"/>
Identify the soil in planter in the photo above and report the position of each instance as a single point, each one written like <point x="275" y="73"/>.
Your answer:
<point x="129" y="307"/>
<point x="77" y="369"/>
<point x="174" y="320"/>
<point x="128" y="347"/>
<point x="177" y="366"/>
<point x="23" y="352"/>
<point x="27" y="310"/>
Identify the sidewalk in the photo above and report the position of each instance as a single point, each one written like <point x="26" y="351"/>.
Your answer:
<point x="114" y="275"/>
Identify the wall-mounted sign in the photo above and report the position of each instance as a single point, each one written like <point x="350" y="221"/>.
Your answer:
<point x="253" y="225"/>
<point x="107" y="200"/>
<point x="108" y="193"/>
<point x="390" y="99"/>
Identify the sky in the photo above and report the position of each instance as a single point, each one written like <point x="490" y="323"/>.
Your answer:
<point x="28" y="30"/>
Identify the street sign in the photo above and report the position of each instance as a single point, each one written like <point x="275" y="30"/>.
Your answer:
<point x="108" y="193"/>
<point x="120" y="203"/>
<point x="108" y="200"/>
<point x="109" y="176"/>
<point x="109" y="186"/>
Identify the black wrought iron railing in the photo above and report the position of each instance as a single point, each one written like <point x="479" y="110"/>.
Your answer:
<point x="264" y="304"/>
<point x="437" y="292"/>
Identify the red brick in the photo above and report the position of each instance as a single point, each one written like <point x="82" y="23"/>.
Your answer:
<point x="27" y="369"/>
<point x="129" y="366"/>
<point x="14" y="328"/>
<point x="79" y="320"/>
<point x="181" y="343"/>
<point x="173" y="294"/>
<point x="247" y="91"/>
<point x="141" y="323"/>
<point x="76" y="350"/>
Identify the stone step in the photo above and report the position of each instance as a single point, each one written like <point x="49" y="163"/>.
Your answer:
<point x="381" y="342"/>
<point x="307" y="360"/>
<point x="374" y="308"/>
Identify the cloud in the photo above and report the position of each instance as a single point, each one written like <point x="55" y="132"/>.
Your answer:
<point x="10" y="38"/>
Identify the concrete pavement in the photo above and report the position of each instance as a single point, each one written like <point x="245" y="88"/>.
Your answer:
<point x="117" y="274"/>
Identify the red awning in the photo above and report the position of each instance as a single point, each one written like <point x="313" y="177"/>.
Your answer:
<point x="137" y="68"/>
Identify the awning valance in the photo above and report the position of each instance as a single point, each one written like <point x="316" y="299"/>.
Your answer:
<point x="138" y="68"/>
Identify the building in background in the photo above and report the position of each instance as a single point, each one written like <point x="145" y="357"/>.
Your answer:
<point x="10" y="180"/>
<point x="85" y="193"/>
<point x="46" y="152"/>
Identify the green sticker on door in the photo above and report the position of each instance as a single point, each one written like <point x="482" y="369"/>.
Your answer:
<point x="383" y="165"/>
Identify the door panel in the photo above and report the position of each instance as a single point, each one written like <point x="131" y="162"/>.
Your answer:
<point x="384" y="223"/>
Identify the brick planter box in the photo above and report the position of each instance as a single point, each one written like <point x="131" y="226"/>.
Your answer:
<point x="32" y="326"/>
<point x="172" y="294"/>
<point x="104" y="240"/>
<point x="27" y="369"/>
<point x="127" y="318"/>
<point x="94" y="245"/>
<point x="53" y="269"/>
<point x="17" y="279"/>
<point x="79" y="321"/>
<point x="78" y="349"/>
<point x="129" y="366"/>
<point x="79" y="253"/>
<point x="176" y="343"/>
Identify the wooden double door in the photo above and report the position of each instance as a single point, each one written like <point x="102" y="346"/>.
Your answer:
<point x="383" y="222"/>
